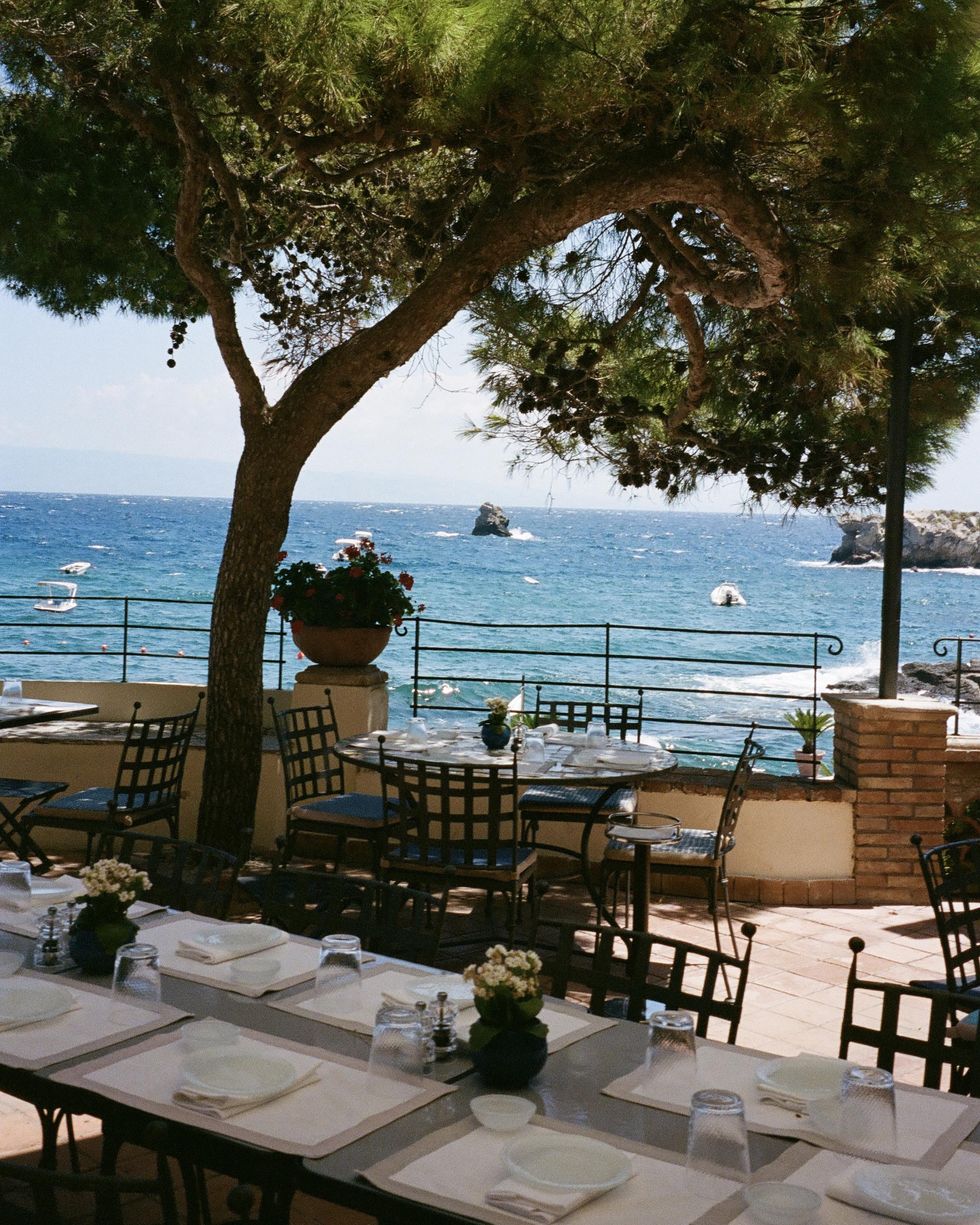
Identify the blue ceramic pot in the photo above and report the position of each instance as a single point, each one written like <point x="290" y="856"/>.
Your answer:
<point x="93" y="949"/>
<point x="511" y="1059"/>
<point x="494" y="736"/>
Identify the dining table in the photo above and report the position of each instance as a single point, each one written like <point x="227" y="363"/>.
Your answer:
<point x="567" y="761"/>
<point x="421" y="1157"/>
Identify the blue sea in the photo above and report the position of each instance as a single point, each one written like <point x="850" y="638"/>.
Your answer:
<point x="633" y="567"/>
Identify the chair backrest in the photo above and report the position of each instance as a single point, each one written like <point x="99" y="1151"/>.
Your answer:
<point x="44" y="1190"/>
<point x="896" y="1034"/>
<point x="737" y="786"/>
<point x="622" y="719"/>
<point x="151" y="766"/>
<point x="306" y="736"/>
<point x="183" y="875"/>
<point x="640" y="967"/>
<point x="463" y="817"/>
<point x="389" y="918"/>
<point x="952" y="875"/>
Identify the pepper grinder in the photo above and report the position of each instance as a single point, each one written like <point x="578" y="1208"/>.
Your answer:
<point x="428" y="1043"/>
<point x="443" y="1026"/>
<point x="48" y="946"/>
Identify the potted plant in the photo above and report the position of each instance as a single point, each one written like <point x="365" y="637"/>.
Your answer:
<point x="809" y="724"/>
<point x="102" y="924"/>
<point x="508" y="1044"/>
<point x="494" y="729"/>
<point x="344" y="615"/>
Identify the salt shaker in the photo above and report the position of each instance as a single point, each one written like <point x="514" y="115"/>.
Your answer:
<point x="443" y="1021"/>
<point x="49" y="944"/>
<point x="71" y="917"/>
<point x="428" y="1041"/>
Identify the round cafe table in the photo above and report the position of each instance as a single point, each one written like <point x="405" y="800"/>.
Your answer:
<point x="567" y="762"/>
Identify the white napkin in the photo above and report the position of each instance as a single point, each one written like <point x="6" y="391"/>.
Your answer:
<point x="535" y="1204"/>
<point x="548" y="729"/>
<point x="404" y="999"/>
<point x="845" y="1188"/>
<point x="226" y="1105"/>
<point x="198" y="949"/>
<point x="34" y="1021"/>
<point x="52" y="895"/>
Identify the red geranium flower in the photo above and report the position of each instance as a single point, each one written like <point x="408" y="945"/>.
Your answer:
<point x="278" y="601"/>
<point x="406" y="580"/>
<point x="296" y="623"/>
<point x="352" y="551"/>
<point x="281" y="555"/>
<point x="310" y="592"/>
<point x="355" y="571"/>
<point x="386" y="559"/>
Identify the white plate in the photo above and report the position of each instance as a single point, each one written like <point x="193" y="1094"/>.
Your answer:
<point x="240" y="938"/>
<point x="557" y="1162"/>
<point x="808" y="1077"/>
<point x="458" y="990"/>
<point x="926" y="1196"/>
<point x="22" y="1002"/>
<point x="625" y="758"/>
<point x="236" y="1073"/>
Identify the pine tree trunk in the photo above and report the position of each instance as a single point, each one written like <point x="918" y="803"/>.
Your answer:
<point x="259" y="519"/>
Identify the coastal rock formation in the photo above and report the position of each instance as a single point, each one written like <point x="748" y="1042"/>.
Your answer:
<point x="928" y="679"/>
<point x="491" y="521"/>
<point x="932" y="539"/>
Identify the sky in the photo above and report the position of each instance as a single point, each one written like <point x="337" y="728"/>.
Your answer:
<point x="91" y="407"/>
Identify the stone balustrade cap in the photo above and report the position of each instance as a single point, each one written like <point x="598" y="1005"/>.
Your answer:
<point x="886" y="709"/>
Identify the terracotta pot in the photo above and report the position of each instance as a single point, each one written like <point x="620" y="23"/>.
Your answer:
<point x="344" y="647"/>
<point x="808" y="764"/>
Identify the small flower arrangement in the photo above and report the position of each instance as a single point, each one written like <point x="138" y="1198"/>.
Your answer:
<point x="507" y="994"/>
<point x="356" y="594"/>
<point x="498" y="708"/>
<point x="111" y="887"/>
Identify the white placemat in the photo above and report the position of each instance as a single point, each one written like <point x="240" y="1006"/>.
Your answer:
<point x="24" y="923"/>
<point x="298" y="959"/>
<point x="45" y="891"/>
<point x="97" y="1021"/>
<point x="343" y="1104"/>
<point x="816" y="1169"/>
<point x="930" y="1124"/>
<point x="453" y="1169"/>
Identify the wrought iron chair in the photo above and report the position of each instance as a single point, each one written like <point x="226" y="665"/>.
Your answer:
<point x="183" y="875"/>
<point x="564" y="805"/>
<point x="626" y="970"/>
<point x="390" y="919"/>
<point x="147" y="787"/>
<point x="699" y="853"/>
<point x="17" y="796"/>
<point x="457" y="827"/>
<point x="938" y="1049"/>
<point x="952" y="875"/>
<point x="317" y="801"/>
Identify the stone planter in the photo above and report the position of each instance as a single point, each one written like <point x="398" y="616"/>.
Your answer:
<point x="341" y="647"/>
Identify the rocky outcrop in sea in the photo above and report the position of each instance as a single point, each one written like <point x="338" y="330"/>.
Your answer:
<point x="491" y="521"/>
<point x="931" y="539"/>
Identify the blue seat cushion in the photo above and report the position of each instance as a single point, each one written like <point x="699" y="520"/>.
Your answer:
<point x="578" y="802"/>
<point x="410" y="856"/>
<point x="695" y="847"/>
<point x="27" y="788"/>
<point x="93" y="802"/>
<point x="352" y="808"/>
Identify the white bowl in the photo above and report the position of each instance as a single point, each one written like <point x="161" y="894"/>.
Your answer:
<point x="254" y="971"/>
<point x="197" y="1035"/>
<point x="782" y="1203"/>
<point x="10" y="963"/>
<point x="500" y="1112"/>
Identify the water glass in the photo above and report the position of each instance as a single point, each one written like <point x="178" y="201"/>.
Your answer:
<point x="717" y="1141"/>
<point x="15" y="884"/>
<point x="416" y="733"/>
<point x="534" y="750"/>
<point x="398" y="1044"/>
<point x="672" y="1048"/>
<point x="340" y="962"/>
<point x="867" y="1117"/>
<point x="13" y="690"/>
<point x="136" y="977"/>
<point x="595" y="736"/>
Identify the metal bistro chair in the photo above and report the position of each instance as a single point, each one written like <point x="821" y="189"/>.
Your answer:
<point x="890" y="1037"/>
<point x="457" y="828"/>
<point x="952" y="875"/>
<point x="183" y="875"/>
<point x="317" y="801"/>
<point x="652" y="968"/>
<point x="147" y="787"/>
<point x="694" y="852"/>
<point x="565" y="805"/>
<point x="17" y="797"/>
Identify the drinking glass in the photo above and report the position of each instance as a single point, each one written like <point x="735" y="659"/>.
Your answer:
<point x="136" y="977"/>
<point x="15" y="883"/>
<point x="416" y="733"/>
<point x="534" y="750"/>
<point x="717" y="1142"/>
<point x="867" y="1117"/>
<point x="13" y="690"/>
<point x="595" y="736"/>
<point x="398" y="1043"/>
<point x="672" y="1048"/>
<point x="340" y="962"/>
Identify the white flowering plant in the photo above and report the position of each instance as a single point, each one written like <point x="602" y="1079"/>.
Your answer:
<point x="507" y="994"/>
<point x="498" y="708"/>
<point x="110" y="887"/>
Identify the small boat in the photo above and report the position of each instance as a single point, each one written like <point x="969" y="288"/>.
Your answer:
<point x="76" y="567"/>
<point x="60" y="598"/>
<point x="725" y="595"/>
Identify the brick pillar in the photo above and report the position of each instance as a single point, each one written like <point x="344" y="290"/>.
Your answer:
<point x="893" y="752"/>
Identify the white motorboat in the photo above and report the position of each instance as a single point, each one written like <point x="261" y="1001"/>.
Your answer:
<point x="726" y="595"/>
<point x="60" y="597"/>
<point x="76" y="567"/>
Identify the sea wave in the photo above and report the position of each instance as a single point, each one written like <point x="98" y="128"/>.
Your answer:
<point x="862" y="670"/>
<point x="444" y="535"/>
<point x="518" y="533"/>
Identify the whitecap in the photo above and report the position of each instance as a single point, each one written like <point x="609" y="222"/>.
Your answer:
<point x="518" y="533"/>
<point x="103" y="547"/>
<point x="528" y="579"/>
<point x="444" y="535"/>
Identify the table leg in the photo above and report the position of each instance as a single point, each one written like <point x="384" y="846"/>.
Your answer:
<point x="641" y="887"/>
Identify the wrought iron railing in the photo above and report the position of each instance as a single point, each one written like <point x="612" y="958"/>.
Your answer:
<point x="966" y="693"/>
<point x="688" y="678"/>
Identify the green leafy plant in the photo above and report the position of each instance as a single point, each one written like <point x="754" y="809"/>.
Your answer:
<point x="809" y="724"/>
<point x="358" y="593"/>
<point x="507" y="994"/>
<point x="524" y="718"/>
